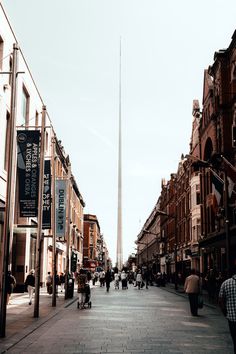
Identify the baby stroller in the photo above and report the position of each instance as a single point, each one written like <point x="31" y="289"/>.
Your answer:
<point x="84" y="298"/>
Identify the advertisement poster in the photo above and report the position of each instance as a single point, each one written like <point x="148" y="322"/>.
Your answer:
<point x="47" y="195"/>
<point x="28" y="171"/>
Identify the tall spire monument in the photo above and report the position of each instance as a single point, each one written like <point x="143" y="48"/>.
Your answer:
<point x="119" y="250"/>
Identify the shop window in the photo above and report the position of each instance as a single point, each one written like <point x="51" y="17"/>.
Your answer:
<point x="6" y="140"/>
<point x="36" y="119"/>
<point x="25" y="106"/>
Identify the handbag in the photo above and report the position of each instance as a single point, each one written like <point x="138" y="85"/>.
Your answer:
<point x="200" y="301"/>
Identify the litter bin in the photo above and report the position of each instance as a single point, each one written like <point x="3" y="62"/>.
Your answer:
<point x="70" y="289"/>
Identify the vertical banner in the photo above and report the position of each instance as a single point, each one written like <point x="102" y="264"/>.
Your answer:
<point x="60" y="209"/>
<point x="47" y="195"/>
<point x="28" y="171"/>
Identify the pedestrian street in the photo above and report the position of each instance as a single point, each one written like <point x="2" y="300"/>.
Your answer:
<point x="152" y="320"/>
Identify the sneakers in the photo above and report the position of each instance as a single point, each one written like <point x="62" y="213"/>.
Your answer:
<point x="30" y="303"/>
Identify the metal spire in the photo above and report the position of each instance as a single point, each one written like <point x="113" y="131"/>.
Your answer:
<point x="119" y="254"/>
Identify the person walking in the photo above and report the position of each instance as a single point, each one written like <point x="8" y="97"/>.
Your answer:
<point x="62" y="281"/>
<point x="210" y="280"/>
<point x="102" y="278"/>
<point x="124" y="280"/>
<point x="30" y="285"/>
<point x="192" y="288"/>
<point x="11" y="283"/>
<point x="49" y="283"/>
<point x="81" y="282"/>
<point x="139" y="279"/>
<point x="108" y="278"/>
<point x="227" y="302"/>
<point x="117" y="280"/>
<point x="146" y="277"/>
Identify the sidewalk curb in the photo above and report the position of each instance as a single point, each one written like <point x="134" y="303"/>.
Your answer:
<point x="9" y="342"/>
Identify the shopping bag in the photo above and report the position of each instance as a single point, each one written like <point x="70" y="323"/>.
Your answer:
<point x="200" y="301"/>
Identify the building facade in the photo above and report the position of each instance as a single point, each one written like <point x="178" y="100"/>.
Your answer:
<point x="198" y="221"/>
<point x="27" y="111"/>
<point x="216" y="140"/>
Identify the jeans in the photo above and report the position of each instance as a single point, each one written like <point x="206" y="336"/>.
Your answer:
<point x="232" y="328"/>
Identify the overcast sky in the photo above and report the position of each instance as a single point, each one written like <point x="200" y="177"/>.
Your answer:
<point x="72" y="48"/>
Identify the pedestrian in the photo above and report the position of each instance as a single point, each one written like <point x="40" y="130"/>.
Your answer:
<point x="96" y="276"/>
<point x="81" y="282"/>
<point x="89" y="276"/>
<point x="146" y="277"/>
<point x="158" y="279"/>
<point x="102" y="278"/>
<point x="139" y="279"/>
<point x="108" y="278"/>
<point x="227" y="302"/>
<point x="11" y="283"/>
<point x="57" y="281"/>
<point x="62" y="281"/>
<point x="30" y="285"/>
<point x="49" y="283"/>
<point x="117" y="280"/>
<point x="211" y="285"/>
<point x="192" y="288"/>
<point x="124" y="280"/>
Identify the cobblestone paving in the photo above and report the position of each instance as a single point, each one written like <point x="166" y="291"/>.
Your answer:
<point x="131" y="321"/>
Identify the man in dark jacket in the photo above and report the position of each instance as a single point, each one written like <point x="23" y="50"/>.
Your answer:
<point x="30" y="285"/>
<point x="108" y="278"/>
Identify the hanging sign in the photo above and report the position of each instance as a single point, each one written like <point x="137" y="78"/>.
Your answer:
<point x="47" y="195"/>
<point x="60" y="209"/>
<point x="28" y="171"/>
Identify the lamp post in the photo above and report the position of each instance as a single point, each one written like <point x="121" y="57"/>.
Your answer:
<point x="8" y="217"/>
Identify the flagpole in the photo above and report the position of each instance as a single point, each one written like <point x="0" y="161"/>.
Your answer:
<point x="227" y="231"/>
<point x="53" y="218"/>
<point x="8" y="217"/>
<point x="40" y="216"/>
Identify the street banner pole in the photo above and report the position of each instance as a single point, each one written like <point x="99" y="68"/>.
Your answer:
<point x="68" y="232"/>
<point x="53" y="216"/>
<point x="8" y="218"/>
<point x="40" y="215"/>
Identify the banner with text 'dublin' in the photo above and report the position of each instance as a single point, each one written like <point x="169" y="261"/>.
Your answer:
<point x="60" y="209"/>
<point x="28" y="171"/>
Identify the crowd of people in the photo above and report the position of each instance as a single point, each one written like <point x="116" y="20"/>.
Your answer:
<point x="220" y="289"/>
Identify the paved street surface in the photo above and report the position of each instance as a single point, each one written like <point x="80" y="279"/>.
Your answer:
<point x="129" y="321"/>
